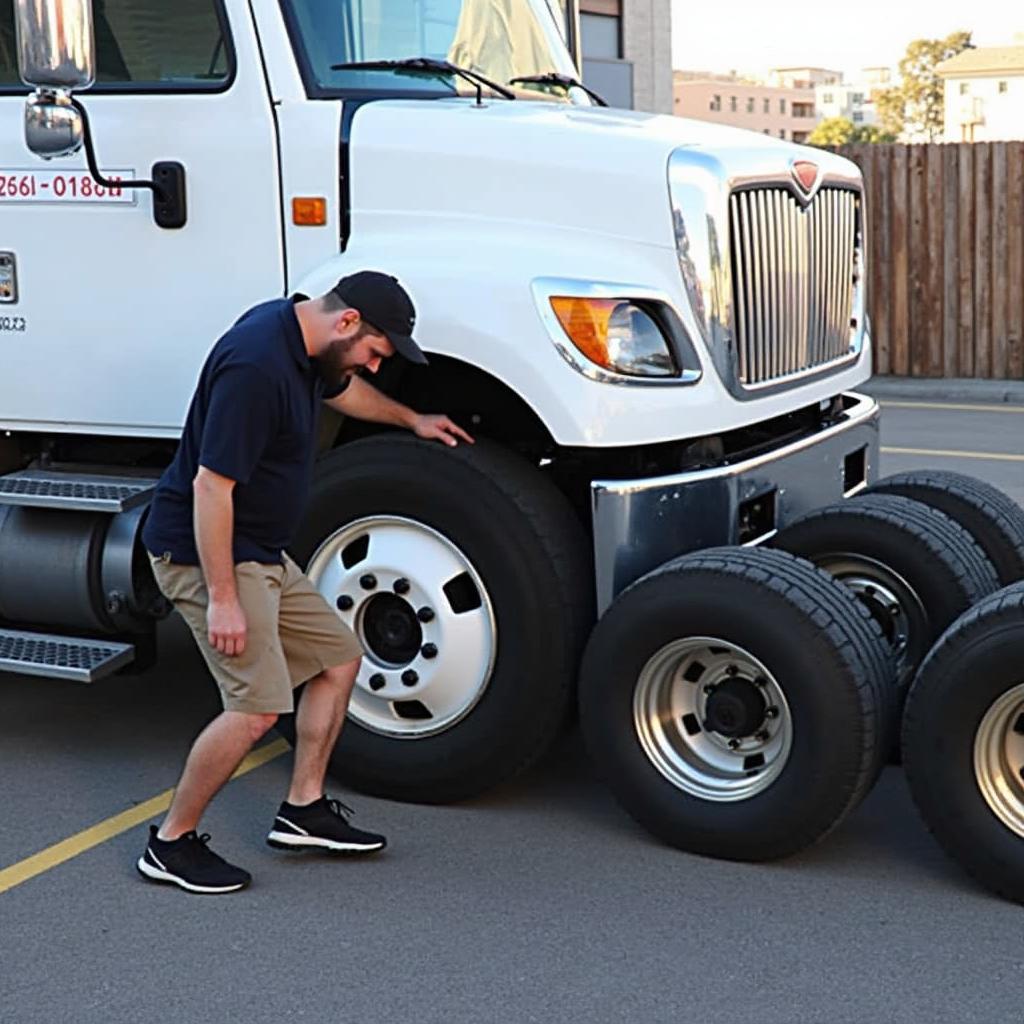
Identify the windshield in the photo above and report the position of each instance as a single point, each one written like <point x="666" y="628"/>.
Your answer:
<point x="501" y="39"/>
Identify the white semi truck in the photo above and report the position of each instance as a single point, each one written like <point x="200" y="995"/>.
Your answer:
<point x="655" y="327"/>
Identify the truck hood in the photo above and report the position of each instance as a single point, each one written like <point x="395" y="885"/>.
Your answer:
<point x="576" y="168"/>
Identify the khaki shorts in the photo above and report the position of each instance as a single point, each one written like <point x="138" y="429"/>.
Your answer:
<point x="292" y="633"/>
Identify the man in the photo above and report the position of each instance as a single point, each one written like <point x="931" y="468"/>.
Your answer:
<point x="223" y="513"/>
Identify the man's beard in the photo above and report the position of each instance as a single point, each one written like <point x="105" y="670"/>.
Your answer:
<point x="334" y="365"/>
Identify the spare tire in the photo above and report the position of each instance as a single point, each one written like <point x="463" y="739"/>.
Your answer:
<point x="914" y="568"/>
<point x="467" y="576"/>
<point x="963" y="742"/>
<point x="734" y="701"/>
<point x="992" y="518"/>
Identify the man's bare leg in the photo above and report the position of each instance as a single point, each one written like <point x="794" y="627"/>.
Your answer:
<point x="214" y="756"/>
<point x="317" y="726"/>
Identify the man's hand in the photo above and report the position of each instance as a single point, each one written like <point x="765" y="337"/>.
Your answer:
<point x="225" y="623"/>
<point x="439" y="428"/>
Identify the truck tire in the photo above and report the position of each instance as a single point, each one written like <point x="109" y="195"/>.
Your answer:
<point x="467" y="577"/>
<point x="914" y="568"/>
<point x="733" y="699"/>
<point x="992" y="518"/>
<point x="963" y="742"/>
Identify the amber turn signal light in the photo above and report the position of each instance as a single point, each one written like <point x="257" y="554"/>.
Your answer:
<point x="309" y="211"/>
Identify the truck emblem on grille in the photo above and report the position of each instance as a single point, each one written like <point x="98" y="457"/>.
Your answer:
<point x="806" y="175"/>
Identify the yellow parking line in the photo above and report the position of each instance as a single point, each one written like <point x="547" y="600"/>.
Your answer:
<point x="940" y="453"/>
<point x="958" y="407"/>
<point x="49" y="858"/>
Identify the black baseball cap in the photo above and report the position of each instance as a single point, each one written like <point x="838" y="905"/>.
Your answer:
<point x="385" y="306"/>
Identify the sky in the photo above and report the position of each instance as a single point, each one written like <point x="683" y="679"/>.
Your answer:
<point x="753" y="35"/>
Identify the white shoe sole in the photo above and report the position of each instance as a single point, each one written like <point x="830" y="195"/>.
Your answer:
<point x="156" y="875"/>
<point x="290" y="841"/>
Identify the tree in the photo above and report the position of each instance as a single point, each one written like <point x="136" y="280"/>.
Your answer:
<point x="916" y="107"/>
<point x="841" y="131"/>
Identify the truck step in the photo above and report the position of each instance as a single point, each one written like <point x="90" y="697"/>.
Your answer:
<point x="40" y="488"/>
<point x="61" y="657"/>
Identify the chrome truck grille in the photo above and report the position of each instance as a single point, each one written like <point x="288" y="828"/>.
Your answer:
<point x="794" y="271"/>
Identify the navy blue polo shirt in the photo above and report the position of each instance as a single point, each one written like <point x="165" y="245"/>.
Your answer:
<point x="252" y="418"/>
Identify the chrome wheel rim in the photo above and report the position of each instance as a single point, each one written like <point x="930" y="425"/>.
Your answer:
<point x="999" y="758"/>
<point x="423" y="615"/>
<point x="892" y="602"/>
<point x="692" y="740"/>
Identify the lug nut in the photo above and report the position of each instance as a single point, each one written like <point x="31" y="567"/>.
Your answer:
<point x="425" y="615"/>
<point x="732" y="670"/>
<point x="762" y="736"/>
<point x="709" y="690"/>
<point x="429" y="650"/>
<point x="368" y="582"/>
<point x="760" y="681"/>
<point x="733" y="744"/>
<point x="772" y="712"/>
<point x="410" y="677"/>
<point x="377" y="681"/>
<point x="344" y="603"/>
<point x="401" y="586"/>
<point x="894" y="610"/>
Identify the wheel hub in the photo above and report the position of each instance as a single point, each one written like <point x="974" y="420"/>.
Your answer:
<point x="735" y="708"/>
<point x="391" y="629"/>
<point x="425" y="619"/>
<point x="712" y="719"/>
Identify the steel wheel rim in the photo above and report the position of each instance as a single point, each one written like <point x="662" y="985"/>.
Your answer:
<point x="893" y="603"/>
<point x="999" y="758"/>
<point x="671" y="699"/>
<point x="416" y="565"/>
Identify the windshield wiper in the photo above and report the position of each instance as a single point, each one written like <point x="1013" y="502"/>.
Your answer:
<point x="429" y="66"/>
<point x="567" y="82"/>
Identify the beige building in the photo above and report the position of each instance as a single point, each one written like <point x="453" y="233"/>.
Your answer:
<point x="627" y="52"/>
<point x="984" y="94"/>
<point x="784" y="111"/>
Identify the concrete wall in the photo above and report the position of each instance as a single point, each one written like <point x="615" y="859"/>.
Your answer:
<point x="647" y="43"/>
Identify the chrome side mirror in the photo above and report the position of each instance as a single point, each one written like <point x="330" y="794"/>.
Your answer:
<point x="53" y="127"/>
<point x="56" y="49"/>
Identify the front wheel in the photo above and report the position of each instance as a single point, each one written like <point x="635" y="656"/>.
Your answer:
<point x="465" y="575"/>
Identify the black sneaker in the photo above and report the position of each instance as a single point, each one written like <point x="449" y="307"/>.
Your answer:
<point x="188" y="861"/>
<point x="321" y="825"/>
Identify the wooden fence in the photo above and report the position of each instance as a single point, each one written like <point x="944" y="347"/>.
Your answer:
<point x="946" y="251"/>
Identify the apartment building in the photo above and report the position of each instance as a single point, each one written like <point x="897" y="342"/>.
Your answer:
<point x="784" y="109"/>
<point x="984" y="94"/>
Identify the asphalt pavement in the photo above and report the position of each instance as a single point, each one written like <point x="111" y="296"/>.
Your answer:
<point x="540" y="902"/>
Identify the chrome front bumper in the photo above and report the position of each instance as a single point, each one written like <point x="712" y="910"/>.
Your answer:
<point x="641" y="524"/>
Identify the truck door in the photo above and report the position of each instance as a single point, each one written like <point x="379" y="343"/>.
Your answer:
<point x="105" y="317"/>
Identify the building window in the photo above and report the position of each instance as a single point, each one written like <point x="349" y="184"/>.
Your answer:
<point x="857" y="99"/>
<point x="858" y="116"/>
<point x="766" y="131"/>
<point x="750" y="104"/>
<point x="965" y="88"/>
<point x="767" y="106"/>
<point x="782" y="108"/>
<point x="601" y="36"/>
<point x="1004" y="86"/>
<point x="732" y="104"/>
<point x="826" y="97"/>
<point x="782" y="133"/>
<point x="716" y="102"/>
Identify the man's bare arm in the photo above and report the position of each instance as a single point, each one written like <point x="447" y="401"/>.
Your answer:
<point x="362" y="401"/>
<point x="214" y="517"/>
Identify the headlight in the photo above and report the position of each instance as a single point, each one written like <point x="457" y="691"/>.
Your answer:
<point x="616" y="335"/>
